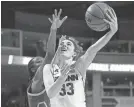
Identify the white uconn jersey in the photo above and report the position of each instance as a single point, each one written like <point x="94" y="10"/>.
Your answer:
<point x="72" y="92"/>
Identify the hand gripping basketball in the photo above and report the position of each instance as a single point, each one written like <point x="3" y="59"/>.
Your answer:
<point x="112" y="20"/>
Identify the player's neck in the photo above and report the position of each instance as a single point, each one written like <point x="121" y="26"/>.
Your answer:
<point x="67" y="61"/>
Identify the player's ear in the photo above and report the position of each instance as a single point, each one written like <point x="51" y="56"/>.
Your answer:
<point x="74" y="54"/>
<point x="32" y="69"/>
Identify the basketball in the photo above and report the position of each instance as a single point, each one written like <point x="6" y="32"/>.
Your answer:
<point x="94" y="16"/>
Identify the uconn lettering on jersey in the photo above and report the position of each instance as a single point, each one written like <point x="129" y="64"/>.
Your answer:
<point x="71" y="77"/>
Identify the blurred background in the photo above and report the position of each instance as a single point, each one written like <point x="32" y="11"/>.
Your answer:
<point x="24" y="32"/>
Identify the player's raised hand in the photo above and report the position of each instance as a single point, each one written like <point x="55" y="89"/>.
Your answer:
<point x="112" y="20"/>
<point x="56" y="21"/>
<point x="65" y="69"/>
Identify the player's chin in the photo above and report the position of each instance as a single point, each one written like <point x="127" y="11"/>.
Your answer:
<point x="64" y="55"/>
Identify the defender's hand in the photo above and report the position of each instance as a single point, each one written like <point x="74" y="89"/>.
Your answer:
<point x="65" y="70"/>
<point x="56" y="22"/>
<point x="112" y="20"/>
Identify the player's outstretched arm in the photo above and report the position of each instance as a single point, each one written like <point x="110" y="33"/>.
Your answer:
<point x="56" y="23"/>
<point x="112" y="21"/>
<point x="51" y="44"/>
<point x="91" y="52"/>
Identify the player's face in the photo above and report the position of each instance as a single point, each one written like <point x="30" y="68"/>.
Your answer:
<point x="37" y="62"/>
<point x="67" y="48"/>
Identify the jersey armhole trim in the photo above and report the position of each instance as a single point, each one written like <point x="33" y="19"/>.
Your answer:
<point x="41" y="103"/>
<point x="52" y="72"/>
<point x="34" y="94"/>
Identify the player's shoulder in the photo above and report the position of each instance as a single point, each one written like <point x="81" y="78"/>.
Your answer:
<point x="47" y="68"/>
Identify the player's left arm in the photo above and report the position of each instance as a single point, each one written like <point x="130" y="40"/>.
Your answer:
<point x="50" y="51"/>
<point x="91" y="52"/>
<point x="51" y="44"/>
<point x="37" y="81"/>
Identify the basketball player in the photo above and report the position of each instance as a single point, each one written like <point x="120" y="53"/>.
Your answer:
<point x="64" y="80"/>
<point x="36" y="90"/>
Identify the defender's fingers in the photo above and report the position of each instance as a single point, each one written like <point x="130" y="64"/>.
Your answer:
<point x="64" y="67"/>
<point x="53" y="16"/>
<point x="64" y="19"/>
<point x="50" y="20"/>
<point x="59" y="12"/>
<point x="55" y="11"/>
<point x="67" y="69"/>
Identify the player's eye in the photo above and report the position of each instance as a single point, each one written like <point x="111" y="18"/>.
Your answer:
<point x="69" y="43"/>
<point x="38" y="61"/>
<point x="61" y="44"/>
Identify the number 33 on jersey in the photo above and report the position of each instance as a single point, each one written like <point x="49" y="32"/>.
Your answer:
<point x="68" y="86"/>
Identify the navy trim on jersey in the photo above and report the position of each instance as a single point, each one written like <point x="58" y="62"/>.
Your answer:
<point x="52" y="72"/>
<point x="34" y="94"/>
<point x="45" y="105"/>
